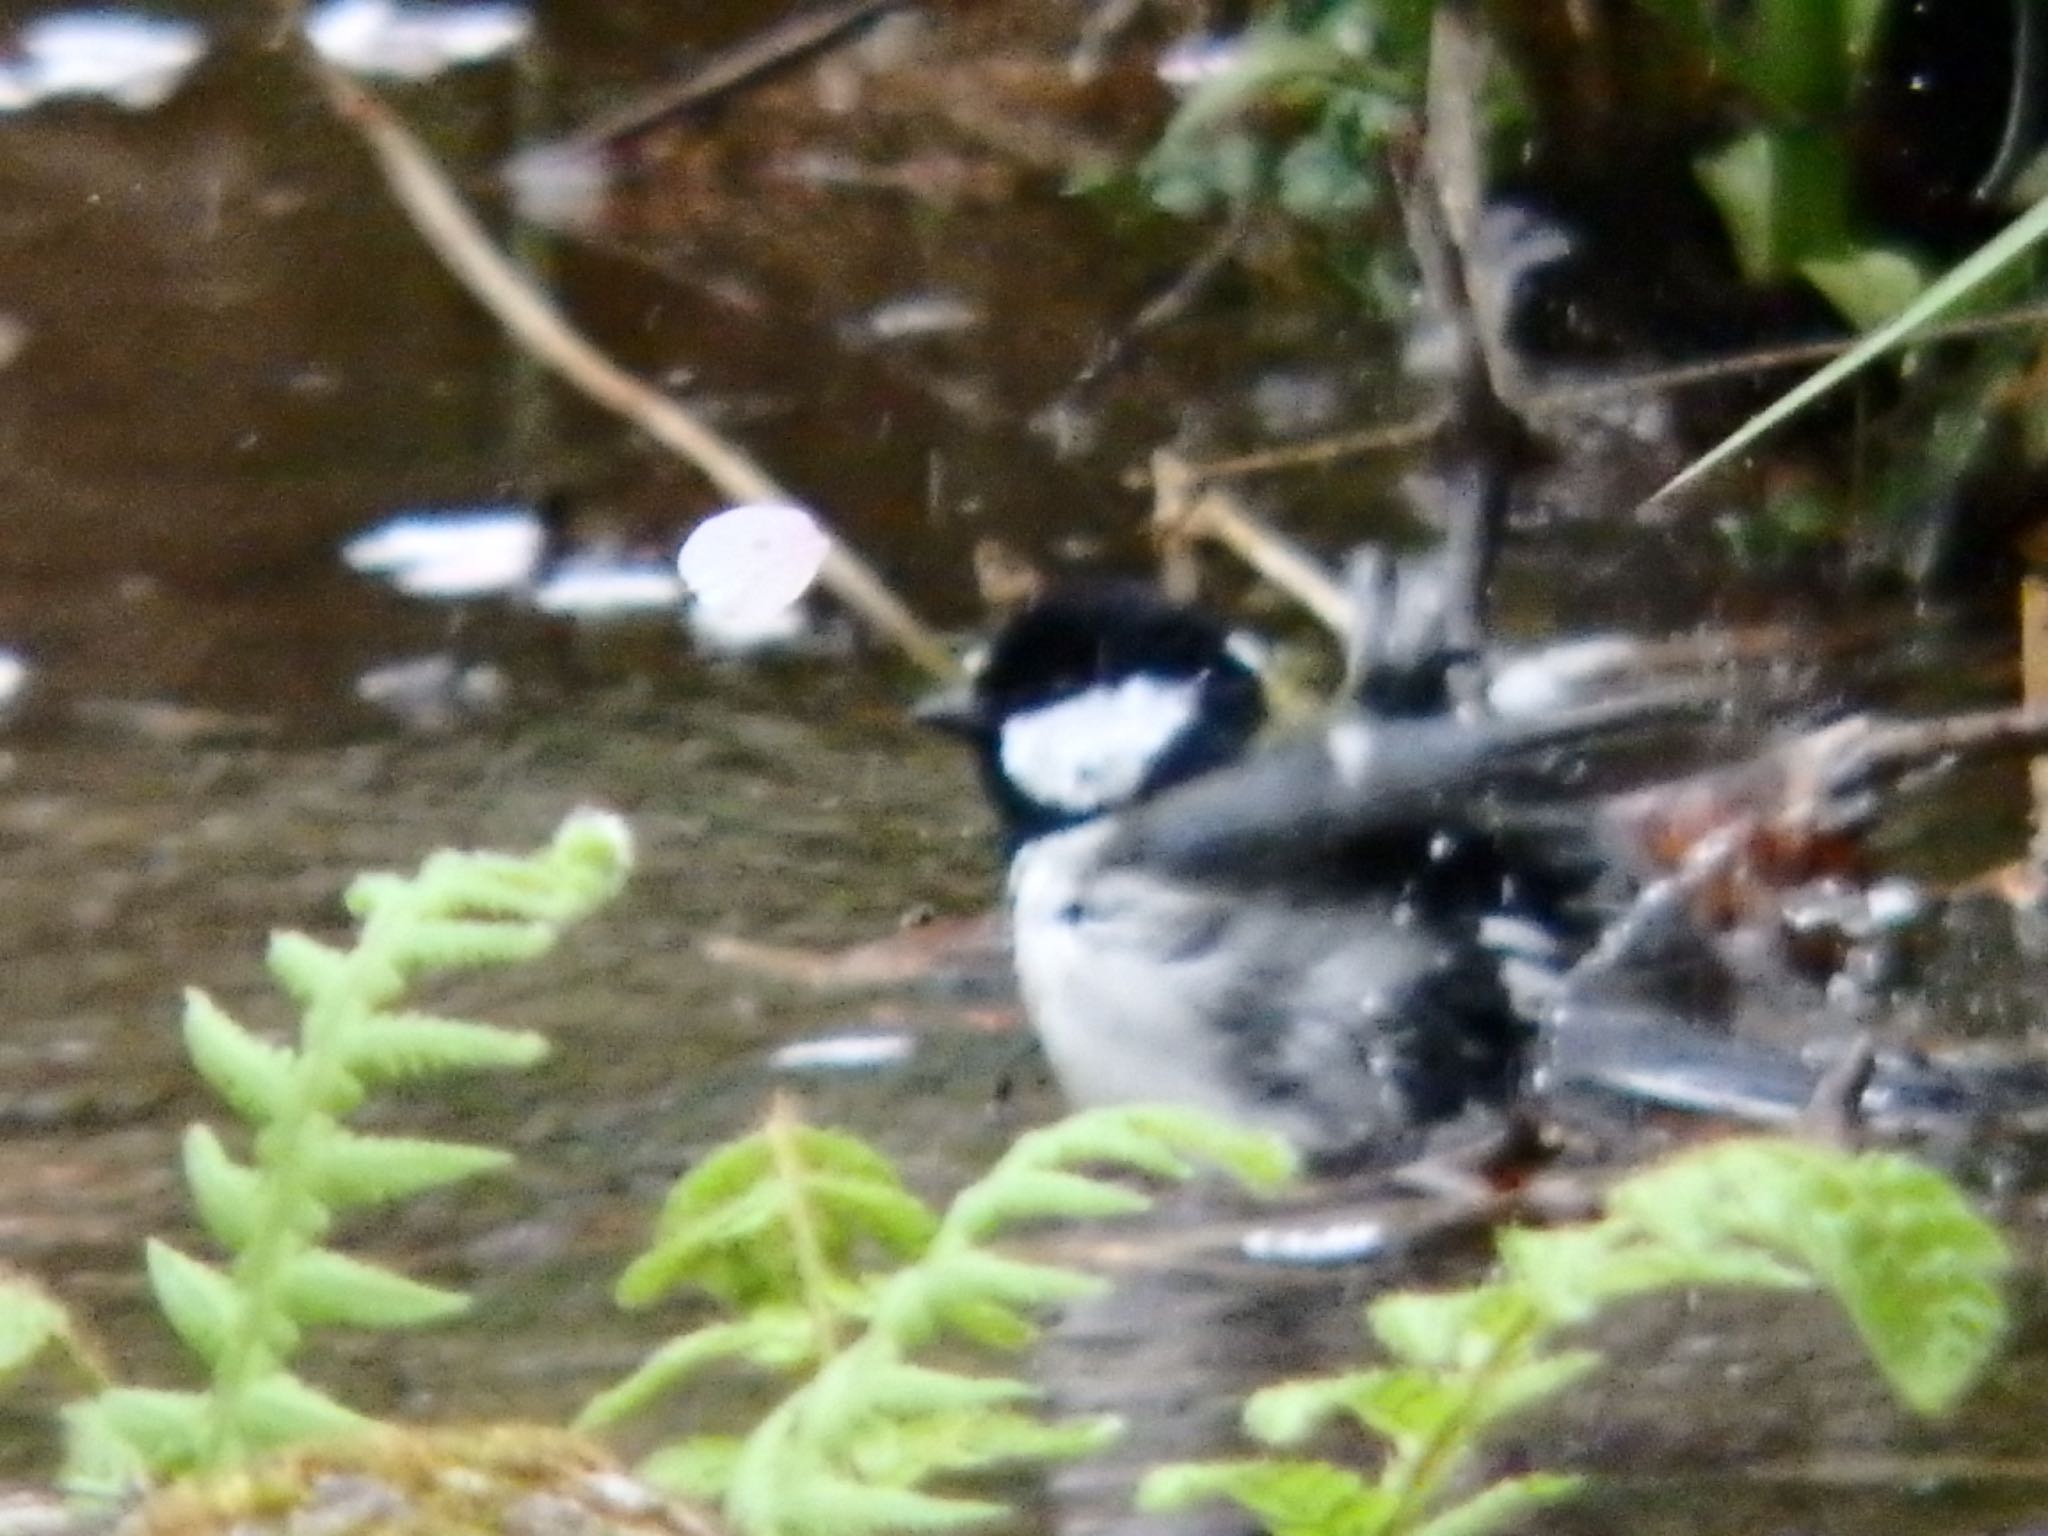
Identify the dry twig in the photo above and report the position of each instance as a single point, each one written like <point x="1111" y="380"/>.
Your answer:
<point x="469" y="254"/>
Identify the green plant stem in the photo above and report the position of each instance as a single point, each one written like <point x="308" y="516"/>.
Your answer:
<point x="1415" y="1478"/>
<point x="814" y="1270"/>
<point x="279" y="1232"/>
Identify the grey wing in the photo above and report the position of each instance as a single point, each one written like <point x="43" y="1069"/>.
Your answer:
<point x="1361" y="1026"/>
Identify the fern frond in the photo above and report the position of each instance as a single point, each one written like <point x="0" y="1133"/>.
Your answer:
<point x="1917" y="1271"/>
<point x="272" y="1213"/>
<point x="779" y="1224"/>
<point x="348" y="1169"/>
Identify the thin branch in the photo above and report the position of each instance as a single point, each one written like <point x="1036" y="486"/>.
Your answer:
<point x="535" y="324"/>
<point x="788" y="41"/>
<point x="1184" y="511"/>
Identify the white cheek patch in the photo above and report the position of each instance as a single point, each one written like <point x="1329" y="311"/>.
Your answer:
<point x="1096" y="748"/>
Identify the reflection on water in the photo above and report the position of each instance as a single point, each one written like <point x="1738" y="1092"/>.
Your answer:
<point x="234" y="355"/>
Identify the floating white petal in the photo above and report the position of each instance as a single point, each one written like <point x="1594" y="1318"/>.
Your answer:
<point x="597" y="588"/>
<point x="748" y="568"/>
<point x="860" y="1052"/>
<point x="136" y="62"/>
<point x="414" y="42"/>
<point x="452" y="555"/>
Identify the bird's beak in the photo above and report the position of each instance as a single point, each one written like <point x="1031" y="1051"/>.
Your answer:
<point x="954" y="710"/>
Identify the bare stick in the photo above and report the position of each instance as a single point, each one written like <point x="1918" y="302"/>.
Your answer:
<point x="1392" y="436"/>
<point x="1184" y="511"/>
<point x="789" y="40"/>
<point x="467" y="251"/>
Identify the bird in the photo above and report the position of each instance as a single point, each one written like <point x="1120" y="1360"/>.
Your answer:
<point x="1323" y="936"/>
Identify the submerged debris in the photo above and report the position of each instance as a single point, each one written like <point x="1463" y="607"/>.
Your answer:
<point x="436" y="693"/>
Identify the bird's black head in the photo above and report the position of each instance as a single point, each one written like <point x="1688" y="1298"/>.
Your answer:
<point x="1100" y="696"/>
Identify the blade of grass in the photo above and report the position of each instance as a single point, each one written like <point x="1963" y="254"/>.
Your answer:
<point x="2010" y="243"/>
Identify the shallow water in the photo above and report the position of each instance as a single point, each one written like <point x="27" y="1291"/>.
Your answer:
<point x="235" y="354"/>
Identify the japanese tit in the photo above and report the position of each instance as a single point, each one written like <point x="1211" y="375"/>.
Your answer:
<point x="1329" y="937"/>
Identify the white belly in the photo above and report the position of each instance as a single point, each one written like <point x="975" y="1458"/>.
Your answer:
<point x="1120" y="1022"/>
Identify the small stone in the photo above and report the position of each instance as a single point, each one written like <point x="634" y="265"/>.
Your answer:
<point x="344" y="1502"/>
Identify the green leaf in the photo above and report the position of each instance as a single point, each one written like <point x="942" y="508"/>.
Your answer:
<point x="99" y="1463"/>
<point x="348" y="1169"/>
<point x="251" y="1074"/>
<point x="959" y="1289"/>
<point x="1455" y="1330"/>
<point x="825" y="1505"/>
<point x="225" y="1193"/>
<point x="432" y="945"/>
<point x="908" y="1452"/>
<point x="1867" y="284"/>
<point x="1919" y="1273"/>
<point x="1783" y="193"/>
<point x="595" y="848"/>
<point x="1034" y="1194"/>
<point x="201" y="1302"/>
<point x="279" y="1410"/>
<point x="1504" y="1505"/>
<point x="30" y="1317"/>
<point x="857" y="1207"/>
<point x="899" y="1388"/>
<point x="309" y="970"/>
<point x="1289" y="1498"/>
<point x="321" y="1286"/>
<point x="162" y="1428"/>
<point x="698" y="1468"/>
<point x="781" y="1338"/>
<point x="1570" y="1273"/>
<point x="401" y="1047"/>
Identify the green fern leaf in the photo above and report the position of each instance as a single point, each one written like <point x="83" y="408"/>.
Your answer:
<point x="306" y="968"/>
<point x="322" y="1286"/>
<point x="897" y="1388"/>
<point x="201" y="1302"/>
<point x="739" y="1251"/>
<point x="592" y="849"/>
<point x="280" y="1410"/>
<point x="1455" y="1330"/>
<point x="348" y="1169"/>
<point x="981" y="1321"/>
<point x="1258" y="1160"/>
<point x="400" y="1047"/>
<point x="829" y="1505"/>
<point x="781" y="1338"/>
<point x="698" y="1468"/>
<point x="1519" y="1387"/>
<point x="935" y="1295"/>
<point x="434" y="945"/>
<point x="1032" y="1194"/>
<point x="1289" y="1498"/>
<point x="503" y="888"/>
<point x="251" y="1074"/>
<point x="1504" y="1506"/>
<point x="163" y="1429"/>
<point x="99" y="1463"/>
<point x="861" y="1207"/>
<point x="726" y="1174"/>
<point x="224" y="1191"/>
<point x="906" y="1453"/>
<point x="30" y="1318"/>
<point x="1919" y="1273"/>
<point x="1570" y="1273"/>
